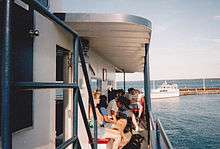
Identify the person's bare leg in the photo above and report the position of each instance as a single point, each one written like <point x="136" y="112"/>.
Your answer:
<point x="134" y="121"/>
<point x="115" y="135"/>
<point x="140" y="110"/>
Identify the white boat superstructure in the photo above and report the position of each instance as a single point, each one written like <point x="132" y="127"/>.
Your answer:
<point x="165" y="90"/>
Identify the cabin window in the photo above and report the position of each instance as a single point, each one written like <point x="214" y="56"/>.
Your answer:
<point x="93" y="83"/>
<point x="44" y="3"/>
<point x="99" y="85"/>
<point x="21" y="113"/>
<point x="96" y="84"/>
<point x="104" y="74"/>
<point x="62" y="65"/>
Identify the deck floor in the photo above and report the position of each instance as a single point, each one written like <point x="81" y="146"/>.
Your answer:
<point x="138" y="140"/>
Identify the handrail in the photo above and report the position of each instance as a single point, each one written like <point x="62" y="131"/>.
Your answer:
<point x="91" y="101"/>
<point x="163" y="134"/>
<point x="44" y="85"/>
<point x="153" y="136"/>
<point x="6" y="65"/>
<point x="85" y="120"/>
<point x="72" y="141"/>
<point x="159" y="138"/>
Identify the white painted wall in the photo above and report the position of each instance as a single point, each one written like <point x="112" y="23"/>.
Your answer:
<point x="98" y="63"/>
<point x="42" y="135"/>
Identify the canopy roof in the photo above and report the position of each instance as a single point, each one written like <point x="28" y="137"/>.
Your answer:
<point x="118" y="38"/>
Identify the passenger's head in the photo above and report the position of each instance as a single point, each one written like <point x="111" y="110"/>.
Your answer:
<point x="96" y="97"/>
<point x="121" y="92"/>
<point x="111" y="95"/>
<point x="137" y="91"/>
<point x="131" y="90"/>
<point x="103" y="101"/>
<point x="121" y="101"/>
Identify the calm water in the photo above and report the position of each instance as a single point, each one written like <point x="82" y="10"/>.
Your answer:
<point x="190" y="121"/>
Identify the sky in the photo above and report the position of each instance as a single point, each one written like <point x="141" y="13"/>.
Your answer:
<point x="185" y="40"/>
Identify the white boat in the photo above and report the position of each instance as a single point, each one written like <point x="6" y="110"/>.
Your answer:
<point x="165" y="90"/>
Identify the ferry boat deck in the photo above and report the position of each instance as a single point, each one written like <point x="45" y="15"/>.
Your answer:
<point x="46" y="51"/>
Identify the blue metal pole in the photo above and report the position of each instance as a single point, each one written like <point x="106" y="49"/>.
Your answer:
<point x="124" y="79"/>
<point x="75" y="80"/>
<point x="6" y="75"/>
<point x="147" y="89"/>
<point x="91" y="101"/>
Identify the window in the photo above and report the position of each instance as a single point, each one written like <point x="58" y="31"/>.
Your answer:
<point x="96" y="84"/>
<point x="104" y="74"/>
<point x="61" y="72"/>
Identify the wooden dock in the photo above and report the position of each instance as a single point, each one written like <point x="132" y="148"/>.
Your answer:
<point x="199" y="91"/>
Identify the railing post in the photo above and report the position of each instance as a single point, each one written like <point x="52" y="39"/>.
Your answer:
<point x="6" y="83"/>
<point x="157" y="136"/>
<point x="124" y="79"/>
<point x="75" y="80"/>
<point x="147" y="89"/>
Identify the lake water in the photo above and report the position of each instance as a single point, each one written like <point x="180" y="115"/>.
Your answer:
<point x="191" y="122"/>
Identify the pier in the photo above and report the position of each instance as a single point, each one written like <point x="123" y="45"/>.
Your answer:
<point x="198" y="91"/>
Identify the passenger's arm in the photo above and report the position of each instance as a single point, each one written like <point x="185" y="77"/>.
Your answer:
<point x="107" y="119"/>
<point x="121" y="123"/>
<point x="113" y="114"/>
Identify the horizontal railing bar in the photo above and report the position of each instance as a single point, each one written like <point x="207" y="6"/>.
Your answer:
<point x="82" y="109"/>
<point x="72" y="141"/>
<point x="165" y="138"/>
<point x="44" y="85"/>
<point x="42" y="10"/>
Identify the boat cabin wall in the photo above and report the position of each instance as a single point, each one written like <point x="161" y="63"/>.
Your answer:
<point x="104" y="71"/>
<point x="42" y="134"/>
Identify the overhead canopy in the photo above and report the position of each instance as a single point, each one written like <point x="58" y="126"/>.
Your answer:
<point x="118" y="38"/>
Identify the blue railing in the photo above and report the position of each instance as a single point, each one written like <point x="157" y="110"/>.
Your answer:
<point x="7" y="83"/>
<point x="158" y="137"/>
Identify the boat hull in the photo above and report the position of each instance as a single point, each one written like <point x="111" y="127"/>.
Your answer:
<point x="164" y="94"/>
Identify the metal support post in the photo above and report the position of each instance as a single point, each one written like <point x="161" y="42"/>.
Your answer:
<point x="91" y="101"/>
<point x="124" y="79"/>
<point x="6" y="83"/>
<point x="157" y="135"/>
<point x="75" y="80"/>
<point x="147" y="89"/>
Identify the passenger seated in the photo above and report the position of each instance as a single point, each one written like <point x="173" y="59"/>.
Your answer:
<point x="112" y="110"/>
<point x="104" y="132"/>
<point x="118" y="125"/>
<point x="122" y="117"/>
<point x="132" y="116"/>
<point x="102" y="106"/>
<point x="135" y="102"/>
<point x="112" y="106"/>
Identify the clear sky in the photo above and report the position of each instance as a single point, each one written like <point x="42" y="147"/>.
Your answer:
<point x="186" y="34"/>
